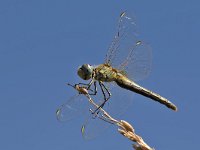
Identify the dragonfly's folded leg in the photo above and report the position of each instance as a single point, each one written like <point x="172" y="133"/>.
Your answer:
<point x="104" y="91"/>
<point x="93" y="90"/>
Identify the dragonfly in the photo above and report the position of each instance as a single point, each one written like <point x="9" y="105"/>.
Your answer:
<point x="127" y="60"/>
<point x="112" y="83"/>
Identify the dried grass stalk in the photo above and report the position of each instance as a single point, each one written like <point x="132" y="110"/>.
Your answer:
<point x="128" y="131"/>
<point x="125" y="128"/>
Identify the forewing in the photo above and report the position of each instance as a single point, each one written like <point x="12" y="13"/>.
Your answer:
<point x="127" y="52"/>
<point x="126" y="34"/>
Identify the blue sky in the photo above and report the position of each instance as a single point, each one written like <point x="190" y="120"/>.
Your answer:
<point x="42" y="43"/>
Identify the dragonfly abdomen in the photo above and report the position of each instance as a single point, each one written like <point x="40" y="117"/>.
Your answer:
<point x="132" y="86"/>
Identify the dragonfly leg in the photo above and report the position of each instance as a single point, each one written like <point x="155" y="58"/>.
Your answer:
<point x="88" y="87"/>
<point x="104" y="91"/>
<point x="94" y="90"/>
<point x="108" y="92"/>
<point x="85" y="85"/>
<point x="103" y="87"/>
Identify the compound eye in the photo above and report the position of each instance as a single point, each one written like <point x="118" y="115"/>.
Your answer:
<point x="85" y="72"/>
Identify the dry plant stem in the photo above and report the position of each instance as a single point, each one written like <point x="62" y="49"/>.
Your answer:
<point x="128" y="131"/>
<point x="124" y="127"/>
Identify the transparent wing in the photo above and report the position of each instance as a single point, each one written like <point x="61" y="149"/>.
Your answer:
<point x="127" y="52"/>
<point x="79" y="105"/>
<point x="115" y="106"/>
<point x="75" y="106"/>
<point x="94" y="126"/>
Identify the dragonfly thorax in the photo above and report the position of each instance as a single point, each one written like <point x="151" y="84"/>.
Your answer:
<point x="105" y="73"/>
<point x="85" y="71"/>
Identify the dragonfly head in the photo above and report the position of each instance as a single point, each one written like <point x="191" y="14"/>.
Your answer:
<point x="85" y="71"/>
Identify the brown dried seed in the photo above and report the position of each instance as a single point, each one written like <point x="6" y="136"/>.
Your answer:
<point x="82" y="90"/>
<point x="121" y="131"/>
<point x="127" y="126"/>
